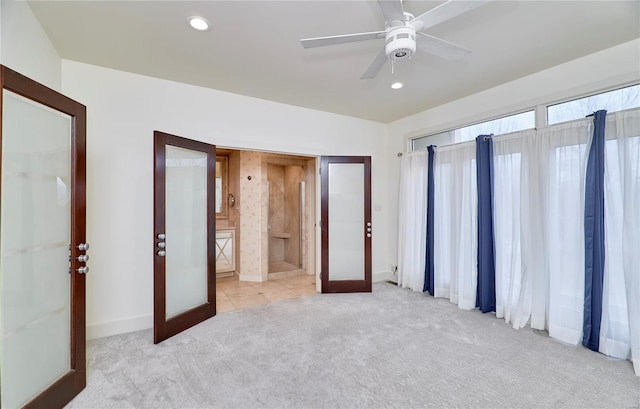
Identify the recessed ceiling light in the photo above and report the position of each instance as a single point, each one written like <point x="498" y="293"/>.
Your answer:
<point x="198" y="23"/>
<point x="396" y="85"/>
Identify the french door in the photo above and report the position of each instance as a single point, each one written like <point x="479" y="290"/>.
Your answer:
<point x="346" y="223"/>
<point x="184" y="234"/>
<point x="43" y="251"/>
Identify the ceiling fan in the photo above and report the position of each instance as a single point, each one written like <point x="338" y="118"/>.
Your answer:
<point x="400" y="34"/>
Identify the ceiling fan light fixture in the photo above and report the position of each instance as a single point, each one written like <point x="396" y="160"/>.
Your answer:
<point x="198" y="23"/>
<point x="401" y="28"/>
<point x="400" y="43"/>
<point x="397" y="85"/>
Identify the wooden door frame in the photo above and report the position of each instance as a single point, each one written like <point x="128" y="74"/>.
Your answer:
<point x="345" y="285"/>
<point x="68" y="386"/>
<point x="163" y="328"/>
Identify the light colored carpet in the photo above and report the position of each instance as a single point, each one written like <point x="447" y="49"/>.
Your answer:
<point x="390" y="348"/>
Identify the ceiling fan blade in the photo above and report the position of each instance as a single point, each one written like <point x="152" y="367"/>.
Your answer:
<point x="444" y="12"/>
<point x="393" y="12"/>
<point x="441" y="48"/>
<point x="375" y="66"/>
<point x="341" y="39"/>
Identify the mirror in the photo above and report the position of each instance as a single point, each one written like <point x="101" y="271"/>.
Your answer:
<point x="222" y="187"/>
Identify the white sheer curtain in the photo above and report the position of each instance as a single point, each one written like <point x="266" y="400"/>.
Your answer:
<point x="620" y="325"/>
<point x="535" y="232"/>
<point x="539" y="228"/>
<point x="455" y="224"/>
<point x="513" y="289"/>
<point x="412" y="229"/>
<point x="521" y="208"/>
<point x="567" y="171"/>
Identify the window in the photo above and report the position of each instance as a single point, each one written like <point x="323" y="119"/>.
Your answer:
<point x="616" y="100"/>
<point x="507" y="124"/>
<point x="442" y="138"/>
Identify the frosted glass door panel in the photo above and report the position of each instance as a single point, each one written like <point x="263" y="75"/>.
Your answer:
<point x="346" y="221"/>
<point x="34" y="249"/>
<point x="186" y="229"/>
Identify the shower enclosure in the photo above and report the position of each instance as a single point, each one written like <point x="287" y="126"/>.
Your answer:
<point x="286" y="202"/>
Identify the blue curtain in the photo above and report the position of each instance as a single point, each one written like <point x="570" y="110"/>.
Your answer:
<point x="486" y="290"/>
<point x="594" y="235"/>
<point x="428" y="269"/>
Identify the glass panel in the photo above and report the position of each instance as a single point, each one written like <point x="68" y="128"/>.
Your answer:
<point x="616" y="100"/>
<point x="35" y="230"/>
<point x="500" y="126"/>
<point x="186" y="229"/>
<point x="346" y="221"/>
<point x="422" y="143"/>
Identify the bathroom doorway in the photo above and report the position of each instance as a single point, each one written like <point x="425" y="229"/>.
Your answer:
<point x="265" y="227"/>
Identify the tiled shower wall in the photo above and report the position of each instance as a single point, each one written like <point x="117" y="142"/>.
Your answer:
<point x="275" y="176"/>
<point x="293" y="175"/>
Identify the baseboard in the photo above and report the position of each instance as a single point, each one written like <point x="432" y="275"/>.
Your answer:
<point x="107" y="329"/>
<point x="382" y="276"/>
<point x="253" y="279"/>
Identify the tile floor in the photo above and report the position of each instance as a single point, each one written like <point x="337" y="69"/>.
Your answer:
<point x="282" y="269"/>
<point x="278" y="266"/>
<point x="232" y="294"/>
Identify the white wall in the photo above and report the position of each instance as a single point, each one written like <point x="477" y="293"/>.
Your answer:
<point x="619" y="65"/>
<point x="123" y="110"/>
<point x="24" y="46"/>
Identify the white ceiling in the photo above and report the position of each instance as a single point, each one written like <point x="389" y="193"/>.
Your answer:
<point x="253" y="47"/>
